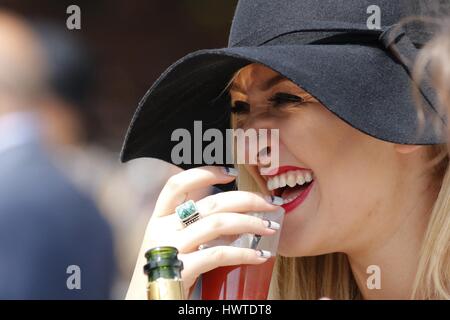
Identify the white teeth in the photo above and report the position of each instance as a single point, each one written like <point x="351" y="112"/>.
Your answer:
<point x="276" y="182"/>
<point x="300" y="178"/>
<point x="308" y="177"/>
<point x="288" y="200"/>
<point x="290" y="178"/>
<point x="282" y="180"/>
<point x="270" y="184"/>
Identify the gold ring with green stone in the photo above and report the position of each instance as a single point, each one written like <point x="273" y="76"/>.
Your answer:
<point x="187" y="212"/>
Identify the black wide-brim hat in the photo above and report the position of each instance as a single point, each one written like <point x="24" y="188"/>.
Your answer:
<point x="330" y="48"/>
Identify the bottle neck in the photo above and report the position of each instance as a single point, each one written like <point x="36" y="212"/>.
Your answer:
<point x="165" y="272"/>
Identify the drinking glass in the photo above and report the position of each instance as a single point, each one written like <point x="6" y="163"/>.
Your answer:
<point x="244" y="282"/>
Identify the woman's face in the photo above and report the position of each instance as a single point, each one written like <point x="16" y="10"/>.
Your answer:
<point x="351" y="201"/>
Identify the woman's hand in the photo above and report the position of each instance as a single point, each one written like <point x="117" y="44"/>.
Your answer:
<point x="220" y="214"/>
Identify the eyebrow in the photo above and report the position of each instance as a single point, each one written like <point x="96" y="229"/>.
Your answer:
<point x="264" y="87"/>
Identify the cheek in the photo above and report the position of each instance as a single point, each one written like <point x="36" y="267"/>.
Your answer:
<point x="319" y="139"/>
<point x="350" y="171"/>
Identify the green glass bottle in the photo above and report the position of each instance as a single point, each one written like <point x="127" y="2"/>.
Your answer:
<point x="163" y="270"/>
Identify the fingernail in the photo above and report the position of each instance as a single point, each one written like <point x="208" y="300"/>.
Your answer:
<point x="281" y="210"/>
<point x="202" y="247"/>
<point x="271" y="224"/>
<point x="263" y="254"/>
<point x="278" y="201"/>
<point x="230" y="171"/>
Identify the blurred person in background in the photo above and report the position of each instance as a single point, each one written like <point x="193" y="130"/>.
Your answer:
<point x="46" y="224"/>
<point x="124" y="194"/>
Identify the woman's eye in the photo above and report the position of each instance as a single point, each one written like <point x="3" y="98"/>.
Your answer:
<point x="240" y="107"/>
<point x="282" y="98"/>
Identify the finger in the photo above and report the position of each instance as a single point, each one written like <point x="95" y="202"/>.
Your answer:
<point x="237" y="201"/>
<point x="222" y="224"/>
<point x="178" y="185"/>
<point x="232" y="201"/>
<point x="202" y="261"/>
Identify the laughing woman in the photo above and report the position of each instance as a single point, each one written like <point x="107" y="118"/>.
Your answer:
<point x="364" y="184"/>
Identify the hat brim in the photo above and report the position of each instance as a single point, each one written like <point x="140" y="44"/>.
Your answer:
<point x="361" y="84"/>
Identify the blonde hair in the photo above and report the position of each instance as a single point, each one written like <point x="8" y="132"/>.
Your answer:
<point x="433" y="275"/>
<point x="330" y="275"/>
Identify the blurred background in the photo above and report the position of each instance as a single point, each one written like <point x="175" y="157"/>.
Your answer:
<point x="66" y="99"/>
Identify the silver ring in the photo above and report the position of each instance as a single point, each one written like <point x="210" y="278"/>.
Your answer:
<point x="187" y="212"/>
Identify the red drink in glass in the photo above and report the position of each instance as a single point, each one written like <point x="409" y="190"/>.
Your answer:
<point x="243" y="282"/>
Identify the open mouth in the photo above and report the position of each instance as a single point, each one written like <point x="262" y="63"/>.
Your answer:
<point x="290" y="183"/>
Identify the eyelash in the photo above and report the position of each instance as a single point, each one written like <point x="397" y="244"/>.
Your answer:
<point x="282" y="98"/>
<point x="277" y="100"/>
<point x="240" y="107"/>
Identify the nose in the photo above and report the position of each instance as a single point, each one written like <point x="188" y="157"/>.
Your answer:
<point x="264" y="156"/>
<point x="266" y="142"/>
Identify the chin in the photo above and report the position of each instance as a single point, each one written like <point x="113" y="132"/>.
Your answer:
<point x="286" y="248"/>
<point x="295" y="245"/>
